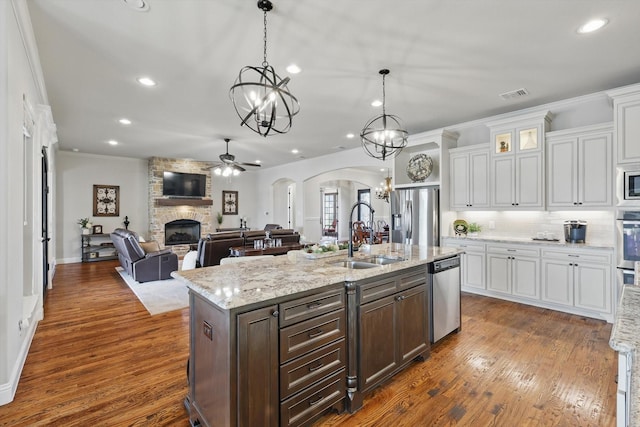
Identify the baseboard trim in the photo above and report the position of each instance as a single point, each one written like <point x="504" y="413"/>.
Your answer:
<point x="68" y="260"/>
<point x="8" y="389"/>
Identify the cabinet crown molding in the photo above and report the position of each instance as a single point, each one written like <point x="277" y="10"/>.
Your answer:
<point x="600" y="127"/>
<point x="517" y="118"/>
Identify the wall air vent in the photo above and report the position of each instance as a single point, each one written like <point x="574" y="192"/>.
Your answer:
<point x="514" y="94"/>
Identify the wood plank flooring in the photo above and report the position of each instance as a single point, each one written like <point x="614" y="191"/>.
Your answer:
<point x="98" y="358"/>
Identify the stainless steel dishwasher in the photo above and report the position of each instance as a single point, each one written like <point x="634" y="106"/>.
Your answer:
<point x="444" y="297"/>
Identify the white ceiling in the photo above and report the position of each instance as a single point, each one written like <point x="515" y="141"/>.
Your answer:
<point x="449" y="60"/>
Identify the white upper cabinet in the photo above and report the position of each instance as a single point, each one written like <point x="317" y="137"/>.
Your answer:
<point x="580" y="167"/>
<point x="626" y="117"/>
<point x="517" y="161"/>
<point x="469" y="181"/>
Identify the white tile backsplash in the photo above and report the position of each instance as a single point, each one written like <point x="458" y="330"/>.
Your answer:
<point x="600" y="224"/>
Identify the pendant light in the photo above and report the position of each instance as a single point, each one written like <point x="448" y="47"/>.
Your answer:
<point x="383" y="136"/>
<point x="260" y="97"/>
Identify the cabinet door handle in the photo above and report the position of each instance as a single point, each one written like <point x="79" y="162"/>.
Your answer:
<point x="315" y="402"/>
<point x="571" y="263"/>
<point x="574" y="256"/>
<point x="317" y="333"/>
<point x="575" y="265"/>
<point x="400" y="297"/>
<point x="314" y="304"/>
<point x="275" y="313"/>
<point x="315" y="368"/>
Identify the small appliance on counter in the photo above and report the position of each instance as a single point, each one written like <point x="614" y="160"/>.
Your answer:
<point x="575" y="231"/>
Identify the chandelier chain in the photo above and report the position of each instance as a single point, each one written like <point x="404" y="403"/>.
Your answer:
<point x="264" y="62"/>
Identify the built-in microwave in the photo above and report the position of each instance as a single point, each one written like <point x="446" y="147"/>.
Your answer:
<point x="632" y="184"/>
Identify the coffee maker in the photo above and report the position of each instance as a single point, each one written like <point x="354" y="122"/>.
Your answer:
<point x="575" y="231"/>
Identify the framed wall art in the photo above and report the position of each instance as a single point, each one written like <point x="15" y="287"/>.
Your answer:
<point x="106" y="200"/>
<point x="229" y="202"/>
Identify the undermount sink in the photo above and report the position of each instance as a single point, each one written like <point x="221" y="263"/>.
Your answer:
<point x="356" y="264"/>
<point x="382" y="260"/>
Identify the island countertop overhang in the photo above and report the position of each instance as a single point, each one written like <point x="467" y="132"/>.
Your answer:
<point x="246" y="284"/>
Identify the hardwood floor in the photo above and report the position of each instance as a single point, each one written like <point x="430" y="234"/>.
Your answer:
<point x="98" y="358"/>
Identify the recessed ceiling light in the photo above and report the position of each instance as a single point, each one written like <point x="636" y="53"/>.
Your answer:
<point x="376" y="103"/>
<point x="350" y="135"/>
<point x="295" y="151"/>
<point x="137" y="5"/>
<point x="593" y="25"/>
<point x="293" y="69"/>
<point x="76" y="150"/>
<point x="124" y="121"/>
<point x="258" y="161"/>
<point x="381" y="169"/>
<point x="146" y="81"/>
<point x="112" y="142"/>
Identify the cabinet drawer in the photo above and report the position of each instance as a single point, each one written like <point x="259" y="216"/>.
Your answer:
<point x="466" y="246"/>
<point x="311" y="306"/>
<point x="513" y="250"/>
<point x="304" y="371"/>
<point x="597" y="257"/>
<point x="371" y="291"/>
<point x="299" y="409"/>
<point x="311" y="334"/>
<point x="415" y="278"/>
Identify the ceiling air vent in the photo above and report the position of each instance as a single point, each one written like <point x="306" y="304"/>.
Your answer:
<point x="514" y="94"/>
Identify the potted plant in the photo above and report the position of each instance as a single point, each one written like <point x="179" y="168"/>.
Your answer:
<point x="85" y="225"/>
<point x="219" y="218"/>
<point x="474" y="229"/>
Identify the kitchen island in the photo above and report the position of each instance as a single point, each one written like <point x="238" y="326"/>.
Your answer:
<point x="280" y="341"/>
<point x="625" y="340"/>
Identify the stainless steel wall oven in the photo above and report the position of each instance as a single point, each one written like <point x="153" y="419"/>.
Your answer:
<point x="628" y="227"/>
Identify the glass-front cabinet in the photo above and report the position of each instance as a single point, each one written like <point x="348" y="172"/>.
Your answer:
<point x="520" y="139"/>
<point x="517" y="161"/>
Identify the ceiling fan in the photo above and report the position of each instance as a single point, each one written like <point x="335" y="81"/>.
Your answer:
<point x="227" y="165"/>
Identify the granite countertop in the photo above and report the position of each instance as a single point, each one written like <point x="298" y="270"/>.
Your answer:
<point x="529" y="241"/>
<point x="625" y="339"/>
<point x="236" y="285"/>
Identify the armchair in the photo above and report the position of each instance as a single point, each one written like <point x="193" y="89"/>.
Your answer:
<point x="142" y="266"/>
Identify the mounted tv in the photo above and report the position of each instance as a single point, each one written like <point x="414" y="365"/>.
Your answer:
<point x="178" y="184"/>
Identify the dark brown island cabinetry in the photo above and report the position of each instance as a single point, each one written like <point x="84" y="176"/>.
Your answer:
<point x="282" y="364"/>
<point x="392" y="326"/>
<point x="288" y="360"/>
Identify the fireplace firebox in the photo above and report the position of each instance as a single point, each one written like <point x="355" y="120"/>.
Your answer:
<point x="181" y="232"/>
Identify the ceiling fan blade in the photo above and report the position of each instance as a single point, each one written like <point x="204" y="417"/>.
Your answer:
<point x="250" y="164"/>
<point x="238" y="167"/>
<point x="213" y="166"/>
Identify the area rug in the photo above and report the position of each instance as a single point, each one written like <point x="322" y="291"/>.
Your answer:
<point x="159" y="296"/>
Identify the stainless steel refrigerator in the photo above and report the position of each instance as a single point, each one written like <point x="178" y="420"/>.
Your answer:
<point x="415" y="216"/>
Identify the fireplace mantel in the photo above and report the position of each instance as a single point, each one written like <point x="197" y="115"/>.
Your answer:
<point x="184" y="202"/>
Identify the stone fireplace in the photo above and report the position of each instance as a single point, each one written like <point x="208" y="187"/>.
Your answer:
<point x="167" y="211"/>
<point x="181" y="232"/>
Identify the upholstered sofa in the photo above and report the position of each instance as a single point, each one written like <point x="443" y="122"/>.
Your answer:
<point x="143" y="266"/>
<point x="287" y="235"/>
<point x="212" y="248"/>
<point x="215" y="246"/>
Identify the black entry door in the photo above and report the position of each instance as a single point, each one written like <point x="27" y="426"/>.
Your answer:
<point x="45" y="221"/>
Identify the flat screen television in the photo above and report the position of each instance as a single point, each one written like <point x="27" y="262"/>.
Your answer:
<point x="178" y="184"/>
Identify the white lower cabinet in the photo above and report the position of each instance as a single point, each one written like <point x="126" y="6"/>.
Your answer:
<point x="578" y="279"/>
<point x="472" y="263"/>
<point x="574" y="280"/>
<point x="513" y="270"/>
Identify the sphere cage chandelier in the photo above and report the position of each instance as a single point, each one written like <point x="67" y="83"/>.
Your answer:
<point x="383" y="136"/>
<point x="260" y="97"/>
<point x="383" y="192"/>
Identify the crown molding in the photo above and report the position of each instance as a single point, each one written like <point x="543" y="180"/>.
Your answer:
<point x="25" y="27"/>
